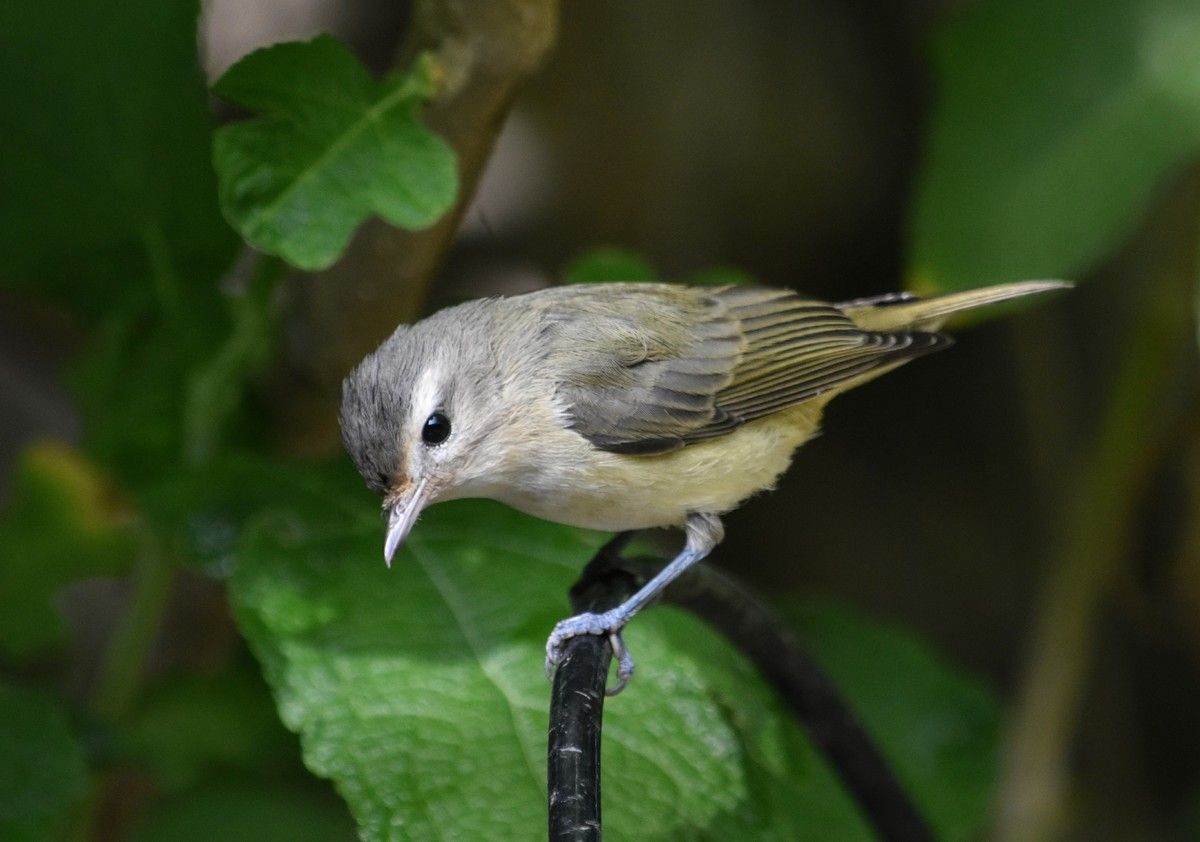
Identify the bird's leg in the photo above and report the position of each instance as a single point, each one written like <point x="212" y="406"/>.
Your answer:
<point x="704" y="531"/>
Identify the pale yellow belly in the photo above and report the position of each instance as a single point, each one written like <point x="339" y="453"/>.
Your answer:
<point x="586" y="487"/>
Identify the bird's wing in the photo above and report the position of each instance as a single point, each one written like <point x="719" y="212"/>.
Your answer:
<point x="682" y="365"/>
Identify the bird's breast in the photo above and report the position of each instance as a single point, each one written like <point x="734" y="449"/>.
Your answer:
<point x="564" y="478"/>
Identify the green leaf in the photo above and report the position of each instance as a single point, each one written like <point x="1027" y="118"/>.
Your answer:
<point x="194" y="727"/>
<point x="936" y="726"/>
<point x="1054" y="125"/>
<point x="110" y="204"/>
<point x="131" y="382"/>
<point x="609" y="265"/>
<point x="206" y="507"/>
<point x="719" y="276"/>
<point x="64" y="522"/>
<point x="160" y="397"/>
<point x="332" y="147"/>
<point x="245" y="810"/>
<point x="216" y="387"/>
<point x="419" y="690"/>
<point x="106" y="150"/>
<point x="613" y="265"/>
<point x="42" y="771"/>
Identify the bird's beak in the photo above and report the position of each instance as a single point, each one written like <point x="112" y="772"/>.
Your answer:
<point x="403" y="509"/>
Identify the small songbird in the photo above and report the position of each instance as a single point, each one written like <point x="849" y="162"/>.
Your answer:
<point x="621" y="406"/>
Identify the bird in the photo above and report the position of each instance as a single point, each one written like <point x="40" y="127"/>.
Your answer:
<point x="622" y="406"/>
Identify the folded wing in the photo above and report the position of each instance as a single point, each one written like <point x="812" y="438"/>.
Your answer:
<point x="684" y="365"/>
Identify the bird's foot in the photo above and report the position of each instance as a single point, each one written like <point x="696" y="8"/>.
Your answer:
<point x="610" y="624"/>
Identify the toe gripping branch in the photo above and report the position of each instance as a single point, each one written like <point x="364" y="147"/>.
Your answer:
<point x="577" y="698"/>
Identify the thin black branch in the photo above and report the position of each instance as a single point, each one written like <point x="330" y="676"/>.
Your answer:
<point x="577" y="705"/>
<point x="775" y="651"/>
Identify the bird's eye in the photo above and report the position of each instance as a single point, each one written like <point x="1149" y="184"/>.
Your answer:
<point x="436" y="429"/>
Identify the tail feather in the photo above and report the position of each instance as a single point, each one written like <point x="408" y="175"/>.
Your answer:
<point x="902" y="311"/>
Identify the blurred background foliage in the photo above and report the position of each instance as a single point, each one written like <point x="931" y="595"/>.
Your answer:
<point x="189" y="569"/>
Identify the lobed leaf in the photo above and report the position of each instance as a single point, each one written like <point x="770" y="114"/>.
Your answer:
<point x="331" y="147"/>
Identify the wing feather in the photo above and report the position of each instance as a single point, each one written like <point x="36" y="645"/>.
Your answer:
<point x="683" y="365"/>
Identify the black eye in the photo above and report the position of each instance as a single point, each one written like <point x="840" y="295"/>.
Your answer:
<point x="436" y="429"/>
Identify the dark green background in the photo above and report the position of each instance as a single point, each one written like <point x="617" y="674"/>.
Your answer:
<point x="179" y="523"/>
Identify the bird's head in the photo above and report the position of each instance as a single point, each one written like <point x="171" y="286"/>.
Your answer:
<point x="416" y="413"/>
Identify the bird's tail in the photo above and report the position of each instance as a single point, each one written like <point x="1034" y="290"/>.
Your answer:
<point x="906" y="311"/>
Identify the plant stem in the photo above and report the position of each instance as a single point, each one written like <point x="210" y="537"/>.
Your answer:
<point x="162" y="273"/>
<point x="212" y="396"/>
<point x="215" y="389"/>
<point x="1185" y="569"/>
<point x="121" y="672"/>
<point x="1049" y="398"/>
<point x="1092" y="541"/>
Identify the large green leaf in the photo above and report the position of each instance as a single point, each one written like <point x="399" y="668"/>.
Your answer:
<point x="1054" y="124"/>
<point x="42" y="773"/>
<point x="419" y="690"/>
<point x="105" y="152"/>
<point x="332" y="147"/>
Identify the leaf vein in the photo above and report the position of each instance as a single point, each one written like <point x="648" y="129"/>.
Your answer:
<point x="453" y="601"/>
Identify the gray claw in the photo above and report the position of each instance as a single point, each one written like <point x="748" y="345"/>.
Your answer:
<point x="625" y="664"/>
<point x="566" y="629"/>
<point x="608" y="623"/>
